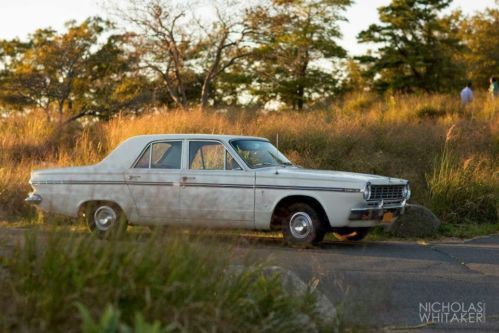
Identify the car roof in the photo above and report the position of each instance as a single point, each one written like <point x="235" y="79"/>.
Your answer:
<point x="222" y="137"/>
<point x="126" y="152"/>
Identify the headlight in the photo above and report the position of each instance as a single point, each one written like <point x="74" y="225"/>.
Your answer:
<point x="406" y="192"/>
<point x="367" y="191"/>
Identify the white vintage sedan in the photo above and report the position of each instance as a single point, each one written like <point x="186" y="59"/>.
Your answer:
<point x="218" y="181"/>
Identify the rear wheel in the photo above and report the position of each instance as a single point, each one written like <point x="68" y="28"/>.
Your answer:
<point x="352" y="234"/>
<point x="302" y="224"/>
<point x="105" y="219"/>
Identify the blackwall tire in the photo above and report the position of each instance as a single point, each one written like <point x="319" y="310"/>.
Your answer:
<point x="105" y="219"/>
<point x="302" y="225"/>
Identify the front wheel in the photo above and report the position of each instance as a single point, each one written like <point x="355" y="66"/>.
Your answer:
<point x="105" y="219"/>
<point x="302" y="225"/>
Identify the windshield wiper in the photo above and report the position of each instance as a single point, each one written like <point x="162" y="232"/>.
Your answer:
<point x="264" y="164"/>
<point x="268" y="164"/>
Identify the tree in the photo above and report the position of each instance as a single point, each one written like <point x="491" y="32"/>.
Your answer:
<point x="175" y="45"/>
<point x="355" y="77"/>
<point x="111" y="83"/>
<point x="72" y="73"/>
<point x="417" y="47"/>
<point x="22" y="81"/>
<point x="480" y="34"/>
<point x="221" y="48"/>
<point x="296" y="42"/>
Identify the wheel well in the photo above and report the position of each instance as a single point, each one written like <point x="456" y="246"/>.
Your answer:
<point x="89" y="203"/>
<point x="276" y="222"/>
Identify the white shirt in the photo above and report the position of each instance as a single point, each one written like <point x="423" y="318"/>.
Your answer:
<point x="466" y="95"/>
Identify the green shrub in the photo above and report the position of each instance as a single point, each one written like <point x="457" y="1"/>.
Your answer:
<point x="459" y="195"/>
<point x="111" y="322"/>
<point x="179" y="285"/>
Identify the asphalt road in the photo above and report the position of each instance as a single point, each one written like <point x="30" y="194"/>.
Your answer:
<point x="381" y="284"/>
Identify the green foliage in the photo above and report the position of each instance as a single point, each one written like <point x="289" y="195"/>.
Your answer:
<point x="468" y="230"/>
<point x="457" y="193"/>
<point x="285" y="51"/>
<point x="110" y="322"/>
<point x="479" y="34"/>
<point x="145" y="285"/>
<point x="417" y="47"/>
<point x="74" y="73"/>
<point x="291" y="36"/>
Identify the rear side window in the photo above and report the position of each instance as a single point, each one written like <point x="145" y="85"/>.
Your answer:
<point x="166" y="155"/>
<point x="161" y="155"/>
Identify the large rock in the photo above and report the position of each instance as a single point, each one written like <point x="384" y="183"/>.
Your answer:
<point x="294" y="285"/>
<point x="418" y="221"/>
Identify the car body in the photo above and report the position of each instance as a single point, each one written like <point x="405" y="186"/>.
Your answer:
<point x="215" y="181"/>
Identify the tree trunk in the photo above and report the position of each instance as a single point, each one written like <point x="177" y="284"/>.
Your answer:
<point x="300" y="89"/>
<point x="205" y="94"/>
<point x="300" y="97"/>
<point x="61" y="112"/>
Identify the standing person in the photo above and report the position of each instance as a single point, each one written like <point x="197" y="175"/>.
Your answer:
<point x="494" y="87"/>
<point x="466" y="95"/>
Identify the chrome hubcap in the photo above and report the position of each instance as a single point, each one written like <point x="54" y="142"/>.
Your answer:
<point x="300" y="225"/>
<point x="104" y="218"/>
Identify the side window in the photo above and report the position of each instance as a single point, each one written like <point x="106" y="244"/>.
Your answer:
<point x="166" y="155"/>
<point x="231" y="163"/>
<point x="143" y="162"/>
<point x="206" y="155"/>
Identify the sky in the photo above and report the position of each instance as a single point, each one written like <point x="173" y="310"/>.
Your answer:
<point x="18" y="18"/>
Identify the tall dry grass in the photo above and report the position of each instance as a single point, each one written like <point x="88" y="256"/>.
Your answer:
<point x="398" y="136"/>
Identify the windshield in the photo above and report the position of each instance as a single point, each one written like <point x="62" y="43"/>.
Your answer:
<point x="259" y="154"/>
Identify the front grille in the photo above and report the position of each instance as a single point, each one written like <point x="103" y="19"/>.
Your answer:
<point x="386" y="192"/>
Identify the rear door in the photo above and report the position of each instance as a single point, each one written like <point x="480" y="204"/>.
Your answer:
<point x="215" y="190"/>
<point x="154" y="181"/>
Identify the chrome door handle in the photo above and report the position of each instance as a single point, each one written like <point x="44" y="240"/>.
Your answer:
<point x="133" y="177"/>
<point x="186" y="178"/>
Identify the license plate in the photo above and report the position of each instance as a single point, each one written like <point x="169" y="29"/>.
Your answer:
<point x="388" y="217"/>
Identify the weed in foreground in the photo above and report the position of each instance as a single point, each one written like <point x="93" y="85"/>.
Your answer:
<point x="57" y="282"/>
<point x="461" y="194"/>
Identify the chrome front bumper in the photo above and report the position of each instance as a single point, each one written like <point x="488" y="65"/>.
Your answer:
<point x="33" y="199"/>
<point x="377" y="212"/>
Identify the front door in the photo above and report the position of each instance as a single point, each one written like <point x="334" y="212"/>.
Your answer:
<point x="154" y="182"/>
<point x="215" y="190"/>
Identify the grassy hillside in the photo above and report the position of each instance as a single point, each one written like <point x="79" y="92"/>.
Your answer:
<point x="449" y="154"/>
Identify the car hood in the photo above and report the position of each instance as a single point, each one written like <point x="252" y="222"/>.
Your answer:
<point x="328" y="175"/>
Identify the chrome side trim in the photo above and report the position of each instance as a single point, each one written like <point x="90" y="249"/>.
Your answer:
<point x="308" y="188"/>
<point x="139" y="183"/>
<point x="34" y="199"/>
<point x="78" y="182"/>
<point x="216" y="185"/>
